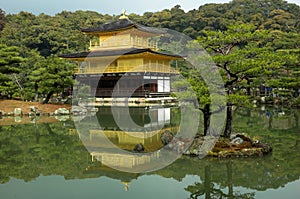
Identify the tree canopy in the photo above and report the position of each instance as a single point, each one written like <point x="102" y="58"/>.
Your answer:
<point x="257" y="39"/>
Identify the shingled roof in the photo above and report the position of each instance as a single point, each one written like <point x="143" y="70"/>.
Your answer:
<point x="103" y="53"/>
<point x="122" y="24"/>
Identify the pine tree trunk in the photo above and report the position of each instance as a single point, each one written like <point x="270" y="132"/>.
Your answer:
<point x="229" y="179"/>
<point x="207" y="182"/>
<point x="248" y="91"/>
<point x="48" y="97"/>
<point x="228" y="127"/>
<point x="207" y="114"/>
<point x="248" y="88"/>
<point x="36" y="93"/>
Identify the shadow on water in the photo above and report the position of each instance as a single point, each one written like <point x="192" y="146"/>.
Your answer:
<point x="29" y="151"/>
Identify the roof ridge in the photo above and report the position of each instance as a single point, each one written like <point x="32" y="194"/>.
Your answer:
<point x="120" y="52"/>
<point x="122" y="24"/>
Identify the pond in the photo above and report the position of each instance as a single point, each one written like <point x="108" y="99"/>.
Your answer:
<point x="52" y="160"/>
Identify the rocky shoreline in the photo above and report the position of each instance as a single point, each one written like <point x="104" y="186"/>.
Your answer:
<point x="35" y="111"/>
<point x="15" y="111"/>
<point x="13" y="108"/>
<point x="239" y="145"/>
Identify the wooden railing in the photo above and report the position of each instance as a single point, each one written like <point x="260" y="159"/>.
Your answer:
<point x="113" y="69"/>
<point x="114" y="44"/>
<point x="128" y="93"/>
<point x="120" y="93"/>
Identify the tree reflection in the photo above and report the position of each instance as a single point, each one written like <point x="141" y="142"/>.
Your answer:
<point x="210" y="190"/>
<point x="296" y="119"/>
<point x="268" y="117"/>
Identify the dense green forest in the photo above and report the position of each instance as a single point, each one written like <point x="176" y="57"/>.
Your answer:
<point x="30" y="44"/>
<point x="255" y="45"/>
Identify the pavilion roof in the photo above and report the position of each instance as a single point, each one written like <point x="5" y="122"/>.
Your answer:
<point x="118" y="52"/>
<point x="122" y="24"/>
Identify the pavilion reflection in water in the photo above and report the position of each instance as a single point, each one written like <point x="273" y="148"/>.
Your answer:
<point x="146" y="129"/>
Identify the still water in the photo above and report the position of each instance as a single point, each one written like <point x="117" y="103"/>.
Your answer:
<point x="51" y="160"/>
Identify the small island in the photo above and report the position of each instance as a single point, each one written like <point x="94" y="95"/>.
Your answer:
<point x="237" y="146"/>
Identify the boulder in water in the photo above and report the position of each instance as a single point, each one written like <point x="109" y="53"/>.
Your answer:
<point x="139" y="148"/>
<point x="166" y="137"/>
<point x="62" y="111"/>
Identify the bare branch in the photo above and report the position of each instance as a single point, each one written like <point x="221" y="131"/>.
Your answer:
<point x="230" y="48"/>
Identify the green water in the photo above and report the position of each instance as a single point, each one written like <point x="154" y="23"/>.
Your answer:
<point x="49" y="160"/>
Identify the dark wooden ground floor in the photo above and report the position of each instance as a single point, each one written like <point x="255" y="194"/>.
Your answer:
<point x="127" y="85"/>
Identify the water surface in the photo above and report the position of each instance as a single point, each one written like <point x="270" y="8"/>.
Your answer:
<point x="49" y="160"/>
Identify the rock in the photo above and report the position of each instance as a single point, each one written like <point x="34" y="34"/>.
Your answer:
<point x="18" y="119"/>
<point x="31" y="114"/>
<point x="17" y="111"/>
<point x="62" y="111"/>
<point x="237" y="140"/>
<point x="240" y="139"/>
<point x="266" y="148"/>
<point x="245" y="138"/>
<point x="93" y="109"/>
<point x="166" y="137"/>
<point x="78" y="110"/>
<point x="139" y="148"/>
<point x="195" y="149"/>
<point x="179" y="147"/>
<point x="62" y="118"/>
<point x="35" y="110"/>
<point x="32" y="108"/>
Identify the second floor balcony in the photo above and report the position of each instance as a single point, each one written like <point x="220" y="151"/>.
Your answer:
<point x="117" y="42"/>
<point x="124" y="69"/>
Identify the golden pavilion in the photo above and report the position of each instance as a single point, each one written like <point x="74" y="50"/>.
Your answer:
<point x="124" y="61"/>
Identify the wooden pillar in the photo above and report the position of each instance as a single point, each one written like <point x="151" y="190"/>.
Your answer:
<point x="143" y="82"/>
<point x="78" y="66"/>
<point x="90" y="84"/>
<point x="118" y="86"/>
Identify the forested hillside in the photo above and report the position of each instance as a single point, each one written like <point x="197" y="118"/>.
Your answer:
<point x="30" y="44"/>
